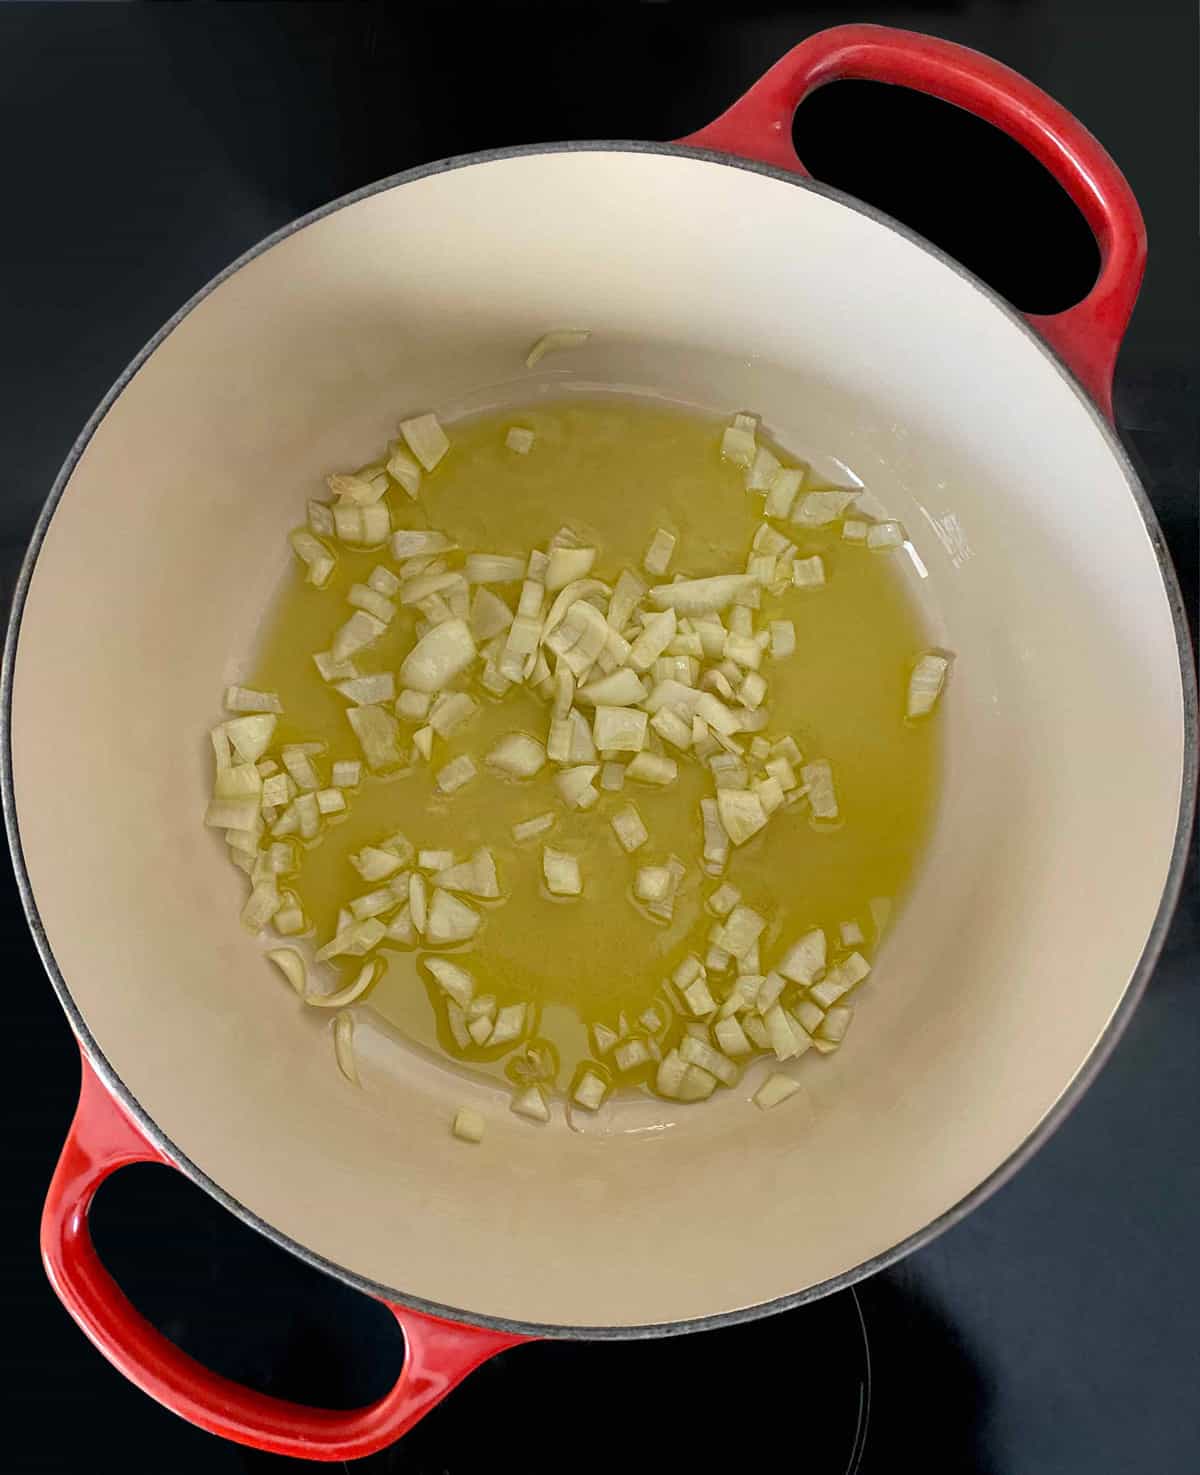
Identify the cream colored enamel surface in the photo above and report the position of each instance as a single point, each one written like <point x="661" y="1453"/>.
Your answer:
<point x="715" y="286"/>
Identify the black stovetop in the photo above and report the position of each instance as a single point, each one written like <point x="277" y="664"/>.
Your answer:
<point x="1056" y="1329"/>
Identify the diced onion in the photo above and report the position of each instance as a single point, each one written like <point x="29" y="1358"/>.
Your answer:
<point x="531" y="1102"/>
<point x="368" y="691"/>
<point x="439" y="656"/>
<point x="925" y="683"/>
<point x="840" y="979"/>
<point x="362" y="596"/>
<point x="366" y="976"/>
<point x="854" y="530"/>
<point x="741" y="814"/>
<point x="567" y="565"/>
<point x="291" y="964"/>
<point x="762" y="470"/>
<point x="697" y="1052"/>
<point x="818" y="509"/>
<point x="561" y="871"/>
<point x="519" y="439"/>
<point x="244" y="699"/>
<point x="630" y="1054"/>
<point x="619" y="729"/>
<point x="657" y="557"/>
<point x="835" y="1024"/>
<point x="426" y="439"/>
<point x="652" y="768"/>
<point x="822" y="797"/>
<point x="622" y="688"/>
<point x="468" y="1125"/>
<point x="518" y="755"/>
<point x="449" y="920"/>
<point x="359" y="631"/>
<point x="343" y="1046"/>
<point x="804" y="961"/>
<point x="527" y="829"/>
<point x="781" y="494"/>
<point x="556" y="341"/>
<point x="882" y="535"/>
<point x="346" y="773"/>
<point x="808" y="573"/>
<point x="419" y="542"/>
<point x="475" y="877"/>
<point x="378" y="733"/>
<point x="590" y="1091"/>
<point x="250" y="736"/>
<point x="330" y="801"/>
<point x="671" y="1072"/>
<point x="701" y="596"/>
<point x="403" y="469"/>
<point x="575" y="785"/>
<point x="738" y="445"/>
<point x="776" y="1088"/>
<point x="457" y="773"/>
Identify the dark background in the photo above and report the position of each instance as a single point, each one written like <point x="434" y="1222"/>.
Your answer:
<point x="142" y="148"/>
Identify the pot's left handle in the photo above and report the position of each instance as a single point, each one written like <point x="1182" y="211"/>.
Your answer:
<point x="438" y="1354"/>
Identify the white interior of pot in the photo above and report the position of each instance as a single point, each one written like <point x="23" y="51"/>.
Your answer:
<point x="729" y="289"/>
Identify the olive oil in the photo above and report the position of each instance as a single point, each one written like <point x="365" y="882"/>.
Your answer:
<point x="614" y="471"/>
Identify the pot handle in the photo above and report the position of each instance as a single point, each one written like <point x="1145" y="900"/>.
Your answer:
<point x="1087" y="336"/>
<point x="438" y="1354"/>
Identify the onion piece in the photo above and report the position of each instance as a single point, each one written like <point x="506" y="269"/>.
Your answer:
<point x="808" y="573"/>
<point x="698" y="998"/>
<point x="822" y="797"/>
<point x="851" y="934"/>
<point x="575" y="785"/>
<point x="343" y="1046"/>
<point x="317" y="559"/>
<point x="883" y="535"/>
<point x="619" y="729"/>
<point x="449" y="920"/>
<point x="346" y="773"/>
<point x="455" y="982"/>
<point x="527" y="829"/>
<point x="740" y="930"/>
<point x="656" y="635"/>
<point x="783" y="639"/>
<point x="490" y="615"/>
<point x="244" y="699"/>
<point x="840" y="979"/>
<point x="450" y="711"/>
<point x="698" y="1084"/>
<point x="818" y="509"/>
<point x="232" y="814"/>
<point x="250" y="736"/>
<point x="835" y="1024"/>
<point x="741" y="814"/>
<point x="419" y="542"/>
<point x="622" y="688"/>
<point x="775" y="1089"/>
<point x="519" y="439"/>
<point x="368" y="691"/>
<point x="330" y="801"/>
<point x="403" y="469"/>
<point x="439" y="656"/>
<point x="378" y="733"/>
<point x="531" y="1102"/>
<point x="701" y="596"/>
<point x="627" y="594"/>
<point x="359" y="631"/>
<point x="738" y="445"/>
<point x="476" y="876"/>
<point x="276" y="791"/>
<point x="925" y="683"/>
<point x="561" y="872"/>
<point x="603" y="1038"/>
<point x="855" y="531"/>
<point x="456" y="774"/>
<point x="362" y="596"/>
<point x="630" y="1054"/>
<point x="804" y="961"/>
<point x="657" y="557"/>
<point x="590" y="1091"/>
<point x="782" y="493"/>
<point x="698" y="1052"/>
<point x="760" y="475"/>
<point x="375" y="864"/>
<point x="331" y="670"/>
<point x="368" y="974"/>
<point x="556" y="341"/>
<point x="652" y="768"/>
<point x="568" y="566"/>
<point x="413" y="706"/>
<point x="359" y="490"/>
<point x="518" y="755"/>
<point x="468" y="1125"/>
<point x="434" y="860"/>
<point x="291" y="964"/>
<point x="509" y="1025"/>
<point x="670" y="1076"/>
<point x="426" y="439"/>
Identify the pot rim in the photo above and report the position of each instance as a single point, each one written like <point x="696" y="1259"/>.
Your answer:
<point x="1065" y="1103"/>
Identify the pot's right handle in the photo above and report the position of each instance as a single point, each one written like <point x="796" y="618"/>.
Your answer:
<point x="437" y="1354"/>
<point x="1087" y="336"/>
